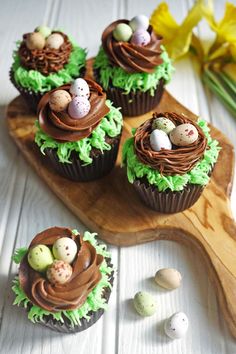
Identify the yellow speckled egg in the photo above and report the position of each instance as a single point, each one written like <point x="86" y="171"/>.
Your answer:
<point x="35" y="40"/>
<point x="168" y="278"/>
<point x="184" y="134"/>
<point x="59" y="100"/>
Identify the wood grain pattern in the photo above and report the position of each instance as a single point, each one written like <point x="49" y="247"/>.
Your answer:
<point x="208" y="226"/>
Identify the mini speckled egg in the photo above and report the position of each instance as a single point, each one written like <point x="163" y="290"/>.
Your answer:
<point x="139" y="21"/>
<point x="65" y="249"/>
<point x="44" y="30"/>
<point x="80" y="88"/>
<point x="144" y="304"/>
<point x="54" y="41"/>
<point x="35" y="40"/>
<point x="40" y="257"/>
<point x="59" y="100"/>
<point x="79" y="107"/>
<point x="159" y="140"/>
<point x="184" y="134"/>
<point x="59" y="272"/>
<point x="176" y="326"/>
<point x="122" y="32"/>
<point x="140" y="37"/>
<point x="164" y="124"/>
<point x="168" y="278"/>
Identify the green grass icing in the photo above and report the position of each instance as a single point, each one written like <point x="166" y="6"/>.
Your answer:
<point x="198" y="175"/>
<point x="94" y="301"/>
<point x="116" y="76"/>
<point x="37" y="82"/>
<point x="110" y="125"/>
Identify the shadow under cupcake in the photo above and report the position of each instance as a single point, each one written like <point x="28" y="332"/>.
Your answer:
<point x="169" y="161"/>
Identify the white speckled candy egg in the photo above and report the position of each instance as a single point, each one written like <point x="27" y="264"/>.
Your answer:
<point x="35" y="40"/>
<point x="176" y="326"/>
<point x="79" y="107"/>
<point x="122" y="32"/>
<point x="54" y="41"/>
<point x="168" y="278"/>
<point x="65" y="249"/>
<point x="159" y="140"/>
<point x="139" y="21"/>
<point x="80" y="88"/>
<point x="144" y="304"/>
<point x="59" y="272"/>
<point x="59" y="100"/>
<point x="164" y="124"/>
<point x="140" y="37"/>
<point x="184" y="134"/>
<point x="44" y="30"/>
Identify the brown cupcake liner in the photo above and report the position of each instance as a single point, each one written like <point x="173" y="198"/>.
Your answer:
<point x="134" y="103"/>
<point x="168" y="202"/>
<point x="102" y="164"/>
<point x="30" y="97"/>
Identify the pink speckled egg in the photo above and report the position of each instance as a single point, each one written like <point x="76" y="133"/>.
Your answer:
<point x="141" y="37"/>
<point x="80" y="88"/>
<point x="184" y="134"/>
<point x="59" y="272"/>
<point x="79" y="107"/>
<point x="54" y="41"/>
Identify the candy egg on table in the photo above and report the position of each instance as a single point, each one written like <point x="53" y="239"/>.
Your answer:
<point x="80" y="88"/>
<point x="184" y="134"/>
<point x="159" y="140"/>
<point x="54" y="41"/>
<point x="122" y="32"/>
<point x="144" y="304"/>
<point x="168" y="278"/>
<point x="164" y="124"/>
<point x="35" y="40"/>
<point x="40" y="257"/>
<point x="59" y="100"/>
<point x="139" y="21"/>
<point x="176" y="326"/>
<point x="59" y="272"/>
<point x="65" y="249"/>
<point x="140" y="37"/>
<point x="79" y="107"/>
<point x="44" y="30"/>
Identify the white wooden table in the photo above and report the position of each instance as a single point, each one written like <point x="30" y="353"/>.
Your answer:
<point x="28" y="206"/>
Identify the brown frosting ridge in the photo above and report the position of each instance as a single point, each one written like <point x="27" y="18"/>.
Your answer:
<point x="130" y="57"/>
<point x="60" y="126"/>
<point x="169" y="162"/>
<point x="46" y="60"/>
<point x="73" y="294"/>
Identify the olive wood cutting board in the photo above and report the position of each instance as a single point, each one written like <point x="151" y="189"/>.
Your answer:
<point x="111" y="207"/>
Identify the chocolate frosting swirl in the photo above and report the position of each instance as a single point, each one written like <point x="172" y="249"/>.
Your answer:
<point x="169" y="162"/>
<point x="60" y="126"/>
<point x="73" y="294"/>
<point x="130" y="57"/>
<point x="46" y="60"/>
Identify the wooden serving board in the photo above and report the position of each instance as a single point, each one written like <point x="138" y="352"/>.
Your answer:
<point x="111" y="207"/>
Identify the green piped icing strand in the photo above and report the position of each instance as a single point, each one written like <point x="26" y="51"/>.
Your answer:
<point x="37" y="82"/>
<point x="198" y="175"/>
<point x="116" y="76"/>
<point x="110" y="125"/>
<point x="94" y="301"/>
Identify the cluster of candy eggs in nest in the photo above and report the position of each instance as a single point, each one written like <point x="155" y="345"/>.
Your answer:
<point x="76" y="102"/>
<point x="55" y="262"/>
<point x="43" y="37"/>
<point x="166" y="135"/>
<point x="135" y="32"/>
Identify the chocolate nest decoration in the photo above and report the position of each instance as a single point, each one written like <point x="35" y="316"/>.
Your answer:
<point x="46" y="60"/>
<point x="169" y="162"/>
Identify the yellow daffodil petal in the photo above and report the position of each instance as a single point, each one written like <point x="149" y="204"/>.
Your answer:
<point x="230" y="70"/>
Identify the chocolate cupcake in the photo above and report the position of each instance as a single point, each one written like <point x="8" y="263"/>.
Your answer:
<point x="79" y="130"/>
<point x="64" y="279"/>
<point x="132" y="65"/>
<point x="44" y="60"/>
<point x="169" y="161"/>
